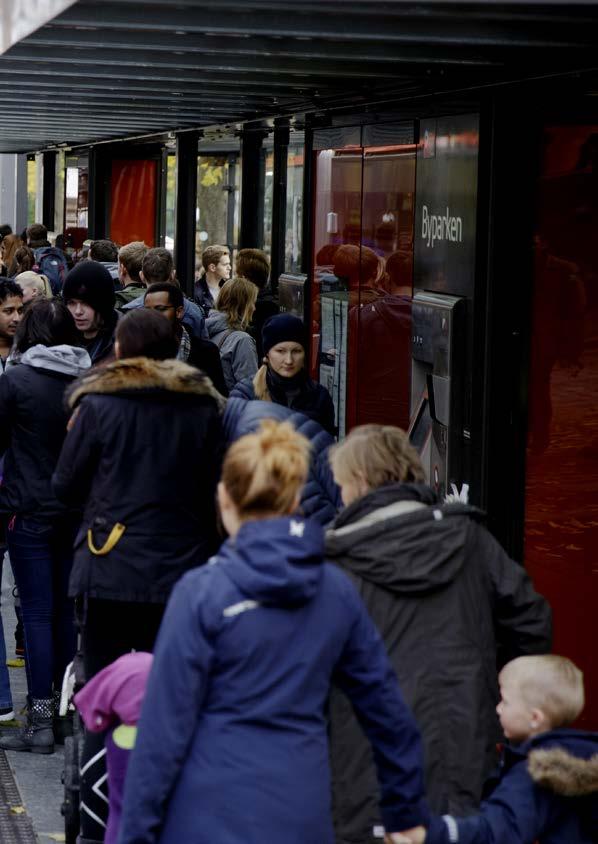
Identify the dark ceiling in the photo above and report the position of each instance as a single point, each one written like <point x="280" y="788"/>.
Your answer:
<point x="105" y="70"/>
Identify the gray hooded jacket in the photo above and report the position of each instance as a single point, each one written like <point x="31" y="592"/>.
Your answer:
<point x="237" y="349"/>
<point x="33" y="420"/>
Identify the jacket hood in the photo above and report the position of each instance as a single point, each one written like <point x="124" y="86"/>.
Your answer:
<point x="216" y="323"/>
<point x="144" y="374"/>
<point x="276" y="561"/>
<point x="69" y="360"/>
<point x="569" y="767"/>
<point x="399" y="537"/>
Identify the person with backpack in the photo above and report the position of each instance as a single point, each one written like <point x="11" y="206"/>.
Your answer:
<point x="49" y="260"/>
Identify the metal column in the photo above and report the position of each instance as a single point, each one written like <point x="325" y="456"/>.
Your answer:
<point x="49" y="190"/>
<point x="186" y="202"/>
<point x="252" y="186"/>
<point x="308" y="202"/>
<point x="279" y="199"/>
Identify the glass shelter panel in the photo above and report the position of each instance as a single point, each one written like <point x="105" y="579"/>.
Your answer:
<point x="294" y="210"/>
<point x="217" y="203"/>
<point x="362" y="281"/>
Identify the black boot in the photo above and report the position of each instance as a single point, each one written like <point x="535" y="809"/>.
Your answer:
<point x="36" y="736"/>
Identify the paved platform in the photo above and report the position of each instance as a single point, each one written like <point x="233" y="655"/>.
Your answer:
<point x="37" y="778"/>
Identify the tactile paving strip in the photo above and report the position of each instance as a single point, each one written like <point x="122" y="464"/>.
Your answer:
<point x="15" y="827"/>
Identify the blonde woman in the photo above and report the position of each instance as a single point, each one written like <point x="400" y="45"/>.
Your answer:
<point x="448" y="603"/>
<point x="227" y="328"/>
<point x="246" y="655"/>
<point x="283" y="377"/>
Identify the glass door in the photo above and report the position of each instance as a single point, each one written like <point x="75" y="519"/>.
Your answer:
<point x="362" y="279"/>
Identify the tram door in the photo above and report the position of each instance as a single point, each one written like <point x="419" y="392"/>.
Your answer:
<point x="561" y="518"/>
<point x="362" y="279"/>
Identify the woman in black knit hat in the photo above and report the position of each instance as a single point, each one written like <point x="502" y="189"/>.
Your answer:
<point x="283" y="378"/>
<point x="88" y="292"/>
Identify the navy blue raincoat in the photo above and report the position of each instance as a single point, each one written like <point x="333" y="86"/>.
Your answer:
<point x="232" y="745"/>
<point x="548" y="794"/>
<point x="320" y="497"/>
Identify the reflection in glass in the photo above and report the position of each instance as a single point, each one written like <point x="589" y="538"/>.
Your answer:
<point x="363" y="281"/>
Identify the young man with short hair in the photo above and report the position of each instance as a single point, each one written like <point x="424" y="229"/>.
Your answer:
<point x="168" y="299"/>
<point x="158" y="267"/>
<point x="105" y="252"/>
<point x="130" y="261"/>
<point x="254" y="264"/>
<point x="11" y="311"/>
<point x="217" y="266"/>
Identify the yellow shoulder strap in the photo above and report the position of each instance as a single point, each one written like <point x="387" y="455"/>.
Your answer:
<point x="114" y="536"/>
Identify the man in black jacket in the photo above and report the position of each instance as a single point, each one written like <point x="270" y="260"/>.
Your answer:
<point x="167" y="299"/>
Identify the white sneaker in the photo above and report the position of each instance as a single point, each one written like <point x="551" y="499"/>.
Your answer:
<point x="7" y="714"/>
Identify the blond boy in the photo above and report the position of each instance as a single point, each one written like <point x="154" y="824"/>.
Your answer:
<point x="548" y="791"/>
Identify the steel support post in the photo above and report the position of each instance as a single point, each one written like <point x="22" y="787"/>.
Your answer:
<point x="186" y="203"/>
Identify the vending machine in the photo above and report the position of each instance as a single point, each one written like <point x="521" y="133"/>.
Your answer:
<point x="436" y="427"/>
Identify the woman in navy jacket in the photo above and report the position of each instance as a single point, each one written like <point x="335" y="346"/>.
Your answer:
<point x="232" y="744"/>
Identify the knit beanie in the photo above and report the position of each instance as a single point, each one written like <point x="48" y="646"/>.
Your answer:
<point x="91" y="282"/>
<point x="282" y="328"/>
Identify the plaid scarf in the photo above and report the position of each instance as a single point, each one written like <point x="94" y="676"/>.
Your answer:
<point x="184" y="346"/>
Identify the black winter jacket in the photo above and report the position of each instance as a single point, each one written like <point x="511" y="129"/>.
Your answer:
<point x="444" y="596"/>
<point x="313" y="400"/>
<point x="33" y="422"/>
<point x="144" y="452"/>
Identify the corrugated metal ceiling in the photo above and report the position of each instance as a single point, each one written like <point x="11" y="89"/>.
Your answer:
<point x="104" y="70"/>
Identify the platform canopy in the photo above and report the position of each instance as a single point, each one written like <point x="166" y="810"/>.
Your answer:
<point x="80" y="72"/>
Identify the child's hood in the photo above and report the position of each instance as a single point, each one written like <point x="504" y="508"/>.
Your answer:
<point x="116" y="693"/>
<point x="566" y="762"/>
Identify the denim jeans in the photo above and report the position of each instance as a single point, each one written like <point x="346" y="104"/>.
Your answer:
<point x="5" y="695"/>
<point x="41" y="554"/>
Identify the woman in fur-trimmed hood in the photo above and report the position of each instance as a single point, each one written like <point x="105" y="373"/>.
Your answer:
<point x="143" y="458"/>
<point x="142" y="452"/>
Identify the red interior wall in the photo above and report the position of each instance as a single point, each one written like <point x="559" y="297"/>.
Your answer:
<point x="133" y="198"/>
<point x="561" y="535"/>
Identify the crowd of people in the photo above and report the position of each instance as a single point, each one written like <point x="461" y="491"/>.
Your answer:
<point x="326" y="634"/>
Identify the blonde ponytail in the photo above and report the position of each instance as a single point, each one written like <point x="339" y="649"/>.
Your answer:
<point x="260" y="386"/>
<point x="264" y="472"/>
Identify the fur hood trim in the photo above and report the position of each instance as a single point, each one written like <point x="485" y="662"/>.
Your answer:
<point x="563" y="773"/>
<point x="144" y="374"/>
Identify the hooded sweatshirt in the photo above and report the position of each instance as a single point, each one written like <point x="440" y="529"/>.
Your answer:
<point x="237" y="349"/>
<point x="248" y="648"/>
<point x="33" y="420"/>
<point x="548" y="793"/>
<point x="445" y="597"/>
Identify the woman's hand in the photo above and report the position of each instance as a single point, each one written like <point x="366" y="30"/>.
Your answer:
<point x="416" y="835"/>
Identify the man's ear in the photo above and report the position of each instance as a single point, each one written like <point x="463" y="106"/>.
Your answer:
<point x="142" y="277"/>
<point x="180" y="312"/>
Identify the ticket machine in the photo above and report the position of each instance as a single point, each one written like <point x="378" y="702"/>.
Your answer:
<point x="436" y="427"/>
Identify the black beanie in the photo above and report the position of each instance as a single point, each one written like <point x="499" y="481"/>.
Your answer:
<point x="90" y="282"/>
<point x="282" y="328"/>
